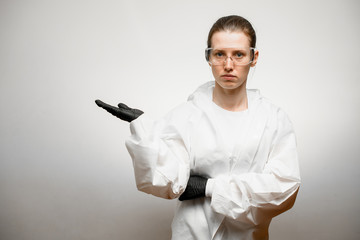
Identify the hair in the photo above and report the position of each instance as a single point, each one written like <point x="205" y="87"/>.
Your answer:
<point x="233" y="23"/>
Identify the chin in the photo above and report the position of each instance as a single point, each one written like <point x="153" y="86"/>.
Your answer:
<point x="230" y="85"/>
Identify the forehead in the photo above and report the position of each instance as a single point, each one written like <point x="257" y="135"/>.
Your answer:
<point x="227" y="39"/>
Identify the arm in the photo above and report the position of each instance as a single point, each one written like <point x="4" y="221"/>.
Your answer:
<point x="256" y="197"/>
<point x="161" y="153"/>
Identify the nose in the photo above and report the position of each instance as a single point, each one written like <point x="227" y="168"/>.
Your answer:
<point x="228" y="64"/>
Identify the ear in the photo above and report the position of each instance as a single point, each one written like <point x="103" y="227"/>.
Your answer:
<point x="256" y="56"/>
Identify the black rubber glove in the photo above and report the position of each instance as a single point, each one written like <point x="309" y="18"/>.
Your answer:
<point x="195" y="188"/>
<point x="122" y="111"/>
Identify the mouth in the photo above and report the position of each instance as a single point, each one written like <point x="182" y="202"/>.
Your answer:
<point x="228" y="76"/>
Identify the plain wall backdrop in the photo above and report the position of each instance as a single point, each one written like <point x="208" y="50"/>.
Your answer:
<point x="64" y="170"/>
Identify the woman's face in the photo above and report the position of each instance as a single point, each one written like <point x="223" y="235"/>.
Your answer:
<point x="228" y="75"/>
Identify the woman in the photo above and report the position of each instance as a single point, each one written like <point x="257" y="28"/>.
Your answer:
<point x="227" y="153"/>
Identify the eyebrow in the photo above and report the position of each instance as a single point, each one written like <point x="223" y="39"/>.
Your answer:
<point x="233" y="50"/>
<point x="224" y="48"/>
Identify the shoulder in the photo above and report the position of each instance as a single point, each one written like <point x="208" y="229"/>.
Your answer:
<point x="275" y="113"/>
<point x="281" y="122"/>
<point x="183" y="113"/>
<point x="196" y="103"/>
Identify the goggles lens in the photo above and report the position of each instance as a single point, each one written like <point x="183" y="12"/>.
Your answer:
<point x="239" y="56"/>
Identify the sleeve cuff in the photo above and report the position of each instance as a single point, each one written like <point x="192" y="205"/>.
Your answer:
<point x="209" y="187"/>
<point x="139" y="126"/>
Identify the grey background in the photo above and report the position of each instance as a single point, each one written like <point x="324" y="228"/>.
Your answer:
<point x="64" y="169"/>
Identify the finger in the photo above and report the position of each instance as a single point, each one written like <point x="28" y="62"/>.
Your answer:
<point x="133" y="111"/>
<point x="182" y="197"/>
<point x="111" y="109"/>
<point x="98" y="102"/>
<point x="123" y="105"/>
<point x="101" y="103"/>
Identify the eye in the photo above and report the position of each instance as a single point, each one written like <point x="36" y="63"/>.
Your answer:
<point x="218" y="53"/>
<point x="239" y="55"/>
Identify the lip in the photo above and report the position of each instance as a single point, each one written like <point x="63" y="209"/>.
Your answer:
<point x="228" y="76"/>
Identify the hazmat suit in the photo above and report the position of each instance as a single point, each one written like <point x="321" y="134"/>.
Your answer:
<point x="249" y="158"/>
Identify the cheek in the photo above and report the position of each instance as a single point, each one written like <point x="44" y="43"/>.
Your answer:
<point x="246" y="71"/>
<point x="215" y="70"/>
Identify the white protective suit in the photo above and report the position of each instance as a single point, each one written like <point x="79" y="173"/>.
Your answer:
<point x="249" y="157"/>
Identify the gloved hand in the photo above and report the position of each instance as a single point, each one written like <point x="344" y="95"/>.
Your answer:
<point x="122" y="111"/>
<point x="195" y="188"/>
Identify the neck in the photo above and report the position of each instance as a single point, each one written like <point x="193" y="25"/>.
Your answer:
<point x="234" y="100"/>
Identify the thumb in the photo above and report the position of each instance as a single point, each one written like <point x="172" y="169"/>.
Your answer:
<point x="123" y="105"/>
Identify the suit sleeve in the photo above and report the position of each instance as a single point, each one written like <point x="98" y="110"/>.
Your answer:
<point x="161" y="153"/>
<point x="255" y="197"/>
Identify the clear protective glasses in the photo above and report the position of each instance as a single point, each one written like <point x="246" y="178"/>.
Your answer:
<point x="239" y="56"/>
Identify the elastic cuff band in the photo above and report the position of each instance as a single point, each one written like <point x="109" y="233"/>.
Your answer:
<point x="209" y="187"/>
